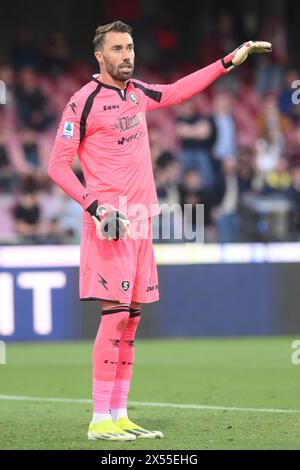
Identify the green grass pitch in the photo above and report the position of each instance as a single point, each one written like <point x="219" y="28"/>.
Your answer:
<point x="245" y="373"/>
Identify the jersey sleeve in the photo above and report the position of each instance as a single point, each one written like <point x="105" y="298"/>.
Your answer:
<point x="67" y="142"/>
<point x="160" y="96"/>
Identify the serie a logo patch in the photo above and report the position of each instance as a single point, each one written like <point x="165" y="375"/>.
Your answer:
<point x="68" y="130"/>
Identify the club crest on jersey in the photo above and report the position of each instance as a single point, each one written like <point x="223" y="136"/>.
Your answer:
<point x="132" y="96"/>
<point x="68" y="130"/>
<point x="125" y="285"/>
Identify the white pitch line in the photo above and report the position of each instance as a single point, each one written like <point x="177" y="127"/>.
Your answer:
<point x="149" y="404"/>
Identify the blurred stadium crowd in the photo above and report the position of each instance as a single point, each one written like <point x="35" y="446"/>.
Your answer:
<point x="234" y="148"/>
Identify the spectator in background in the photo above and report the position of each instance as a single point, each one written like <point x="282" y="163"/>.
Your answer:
<point x="155" y="142"/>
<point x="270" y="117"/>
<point x="285" y="101"/>
<point x="166" y="174"/>
<point x="226" y="140"/>
<point x="294" y="195"/>
<point x="167" y="41"/>
<point x="7" y="172"/>
<point x="246" y="170"/>
<point x="219" y="41"/>
<point x="59" y="211"/>
<point x="293" y="147"/>
<point x="166" y="178"/>
<point x="269" y="70"/>
<point x="29" y="148"/>
<point x="53" y="234"/>
<point x="197" y="136"/>
<point x="192" y="191"/>
<point x="273" y="128"/>
<point x="269" y="148"/>
<point x="24" y="52"/>
<point x="278" y="181"/>
<point x="225" y="213"/>
<point x="70" y="219"/>
<point x="55" y="54"/>
<point x="250" y="24"/>
<point x="27" y="212"/>
<point x="32" y="105"/>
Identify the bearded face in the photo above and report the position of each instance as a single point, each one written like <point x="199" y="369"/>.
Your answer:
<point x="122" y="72"/>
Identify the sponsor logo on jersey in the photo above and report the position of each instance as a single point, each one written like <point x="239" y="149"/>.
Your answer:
<point x="130" y="138"/>
<point x="127" y="122"/>
<point x="68" y="130"/>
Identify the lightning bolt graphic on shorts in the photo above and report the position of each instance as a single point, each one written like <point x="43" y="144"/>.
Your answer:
<point x="102" y="281"/>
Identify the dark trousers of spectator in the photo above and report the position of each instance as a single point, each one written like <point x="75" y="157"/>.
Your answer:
<point x="228" y="226"/>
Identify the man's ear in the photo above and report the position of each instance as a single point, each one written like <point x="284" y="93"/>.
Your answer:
<point x="99" y="57"/>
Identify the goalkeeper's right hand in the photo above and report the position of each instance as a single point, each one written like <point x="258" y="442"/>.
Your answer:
<point x="111" y="224"/>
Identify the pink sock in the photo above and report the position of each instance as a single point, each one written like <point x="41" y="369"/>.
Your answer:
<point x="105" y="356"/>
<point x="121" y="388"/>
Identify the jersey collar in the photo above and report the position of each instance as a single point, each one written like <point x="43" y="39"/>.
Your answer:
<point x="111" y="87"/>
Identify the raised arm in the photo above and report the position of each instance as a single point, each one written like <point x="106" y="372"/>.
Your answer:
<point x="167" y="95"/>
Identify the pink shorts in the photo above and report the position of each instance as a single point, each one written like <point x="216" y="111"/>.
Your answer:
<point x="122" y="271"/>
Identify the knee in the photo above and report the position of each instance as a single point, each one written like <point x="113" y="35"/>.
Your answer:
<point x="115" y="319"/>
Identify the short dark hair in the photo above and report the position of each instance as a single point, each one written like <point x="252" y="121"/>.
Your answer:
<point x="116" y="27"/>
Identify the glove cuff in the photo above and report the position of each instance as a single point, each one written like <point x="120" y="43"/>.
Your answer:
<point x="92" y="209"/>
<point x="227" y="62"/>
<point x="97" y="211"/>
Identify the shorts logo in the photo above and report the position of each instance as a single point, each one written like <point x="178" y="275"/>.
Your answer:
<point x="125" y="285"/>
<point x="152" y="288"/>
<point x="102" y="281"/>
<point x="68" y="130"/>
<point x="132" y="96"/>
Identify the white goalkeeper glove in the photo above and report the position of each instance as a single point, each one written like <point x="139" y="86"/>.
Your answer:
<point x="111" y="224"/>
<point x="239" y="56"/>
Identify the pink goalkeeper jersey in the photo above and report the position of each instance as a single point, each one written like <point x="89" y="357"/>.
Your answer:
<point x="107" y="129"/>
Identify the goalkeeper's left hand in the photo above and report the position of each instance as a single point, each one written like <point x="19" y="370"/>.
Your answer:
<point x="239" y="56"/>
<point x="111" y="223"/>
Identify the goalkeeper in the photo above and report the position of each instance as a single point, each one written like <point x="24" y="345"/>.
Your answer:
<point x="104" y="123"/>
